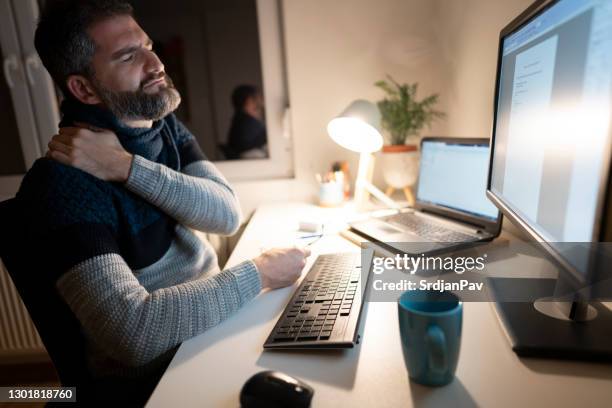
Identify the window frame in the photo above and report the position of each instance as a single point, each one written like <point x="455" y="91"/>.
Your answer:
<point x="279" y="164"/>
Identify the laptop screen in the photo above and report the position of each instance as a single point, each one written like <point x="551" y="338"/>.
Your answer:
<point x="454" y="175"/>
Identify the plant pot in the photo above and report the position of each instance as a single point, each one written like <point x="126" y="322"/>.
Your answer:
<point x="400" y="165"/>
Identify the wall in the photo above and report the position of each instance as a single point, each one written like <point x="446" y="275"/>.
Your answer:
<point x="467" y="32"/>
<point x="337" y="49"/>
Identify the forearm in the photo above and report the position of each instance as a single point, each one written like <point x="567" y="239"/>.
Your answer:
<point x="200" y="197"/>
<point x="137" y="326"/>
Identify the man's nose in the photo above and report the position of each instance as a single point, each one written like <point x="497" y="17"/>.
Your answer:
<point x="154" y="64"/>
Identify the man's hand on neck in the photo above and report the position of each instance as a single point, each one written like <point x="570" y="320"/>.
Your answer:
<point x="93" y="150"/>
<point x="138" y="123"/>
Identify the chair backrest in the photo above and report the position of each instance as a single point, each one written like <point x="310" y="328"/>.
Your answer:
<point x="56" y="324"/>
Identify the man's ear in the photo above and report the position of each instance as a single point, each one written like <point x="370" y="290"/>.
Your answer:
<point x="81" y="89"/>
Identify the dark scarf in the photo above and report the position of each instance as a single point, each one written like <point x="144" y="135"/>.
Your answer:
<point x="155" y="143"/>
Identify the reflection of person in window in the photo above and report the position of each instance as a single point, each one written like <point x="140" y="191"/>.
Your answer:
<point x="247" y="135"/>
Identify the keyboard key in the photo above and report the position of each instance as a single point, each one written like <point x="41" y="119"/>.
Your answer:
<point x="325" y="297"/>
<point x="284" y="337"/>
<point x="307" y="337"/>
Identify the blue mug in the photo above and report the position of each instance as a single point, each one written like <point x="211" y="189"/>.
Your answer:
<point x="430" y="330"/>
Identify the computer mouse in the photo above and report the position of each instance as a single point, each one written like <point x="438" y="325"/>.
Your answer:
<point x="273" y="389"/>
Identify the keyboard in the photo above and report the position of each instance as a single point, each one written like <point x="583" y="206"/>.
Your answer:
<point x="428" y="229"/>
<point x="325" y="310"/>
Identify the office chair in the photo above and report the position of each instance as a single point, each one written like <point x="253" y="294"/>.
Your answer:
<point x="56" y="324"/>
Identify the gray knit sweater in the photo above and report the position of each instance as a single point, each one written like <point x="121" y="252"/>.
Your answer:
<point x="133" y="317"/>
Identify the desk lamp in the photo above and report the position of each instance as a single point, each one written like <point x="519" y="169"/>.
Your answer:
<point x="357" y="128"/>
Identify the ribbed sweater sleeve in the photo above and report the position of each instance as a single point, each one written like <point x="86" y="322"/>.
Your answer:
<point x="136" y="326"/>
<point x="199" y="197"/>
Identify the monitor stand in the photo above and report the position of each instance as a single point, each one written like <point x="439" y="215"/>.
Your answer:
<point x="533" y="332"/>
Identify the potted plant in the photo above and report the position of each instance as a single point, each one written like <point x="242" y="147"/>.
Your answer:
<point x="403" y="117"/>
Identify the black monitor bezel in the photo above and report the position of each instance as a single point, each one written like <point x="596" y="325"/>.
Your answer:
<point x="535" y="9"/>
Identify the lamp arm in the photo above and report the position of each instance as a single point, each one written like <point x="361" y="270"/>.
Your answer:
<point x="372" y="189"/>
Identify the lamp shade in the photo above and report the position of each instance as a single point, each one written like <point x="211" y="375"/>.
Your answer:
<point x="357" y="128"/>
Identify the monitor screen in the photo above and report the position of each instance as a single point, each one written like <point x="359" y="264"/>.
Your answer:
<point x="551" y="132"/>
<point x="454" y="175"/>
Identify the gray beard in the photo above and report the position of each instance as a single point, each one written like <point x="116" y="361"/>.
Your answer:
<point x="139" y="105"/>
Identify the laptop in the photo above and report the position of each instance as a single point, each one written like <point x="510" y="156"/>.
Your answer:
<point x="451" y="208"/>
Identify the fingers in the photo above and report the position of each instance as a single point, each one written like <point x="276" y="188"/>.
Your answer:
<point x="93" y="128"/>
<point x="59" y="156"/>
<point x="70" y="130"/>
<point x="302" y="252"/>
<point x="73" y="131"/>
<point x="64" y="138"/>
<point x="74" y="135"/>
<point x="55" y="145"/>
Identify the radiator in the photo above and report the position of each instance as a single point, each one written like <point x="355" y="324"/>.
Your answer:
<point x="19" y="340"/>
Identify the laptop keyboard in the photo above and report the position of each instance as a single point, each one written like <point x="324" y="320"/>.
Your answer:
<point x="427" y="229"/>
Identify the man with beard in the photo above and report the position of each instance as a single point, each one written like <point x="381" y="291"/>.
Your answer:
<point x="114" y="203"/>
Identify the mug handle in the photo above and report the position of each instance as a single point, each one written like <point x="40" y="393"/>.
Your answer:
<point x="436" y="350"/>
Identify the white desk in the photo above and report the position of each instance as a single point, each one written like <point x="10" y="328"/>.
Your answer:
<point x="209" y="370"/>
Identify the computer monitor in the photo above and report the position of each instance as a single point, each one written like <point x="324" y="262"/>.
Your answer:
<point x="549" y="170"/>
